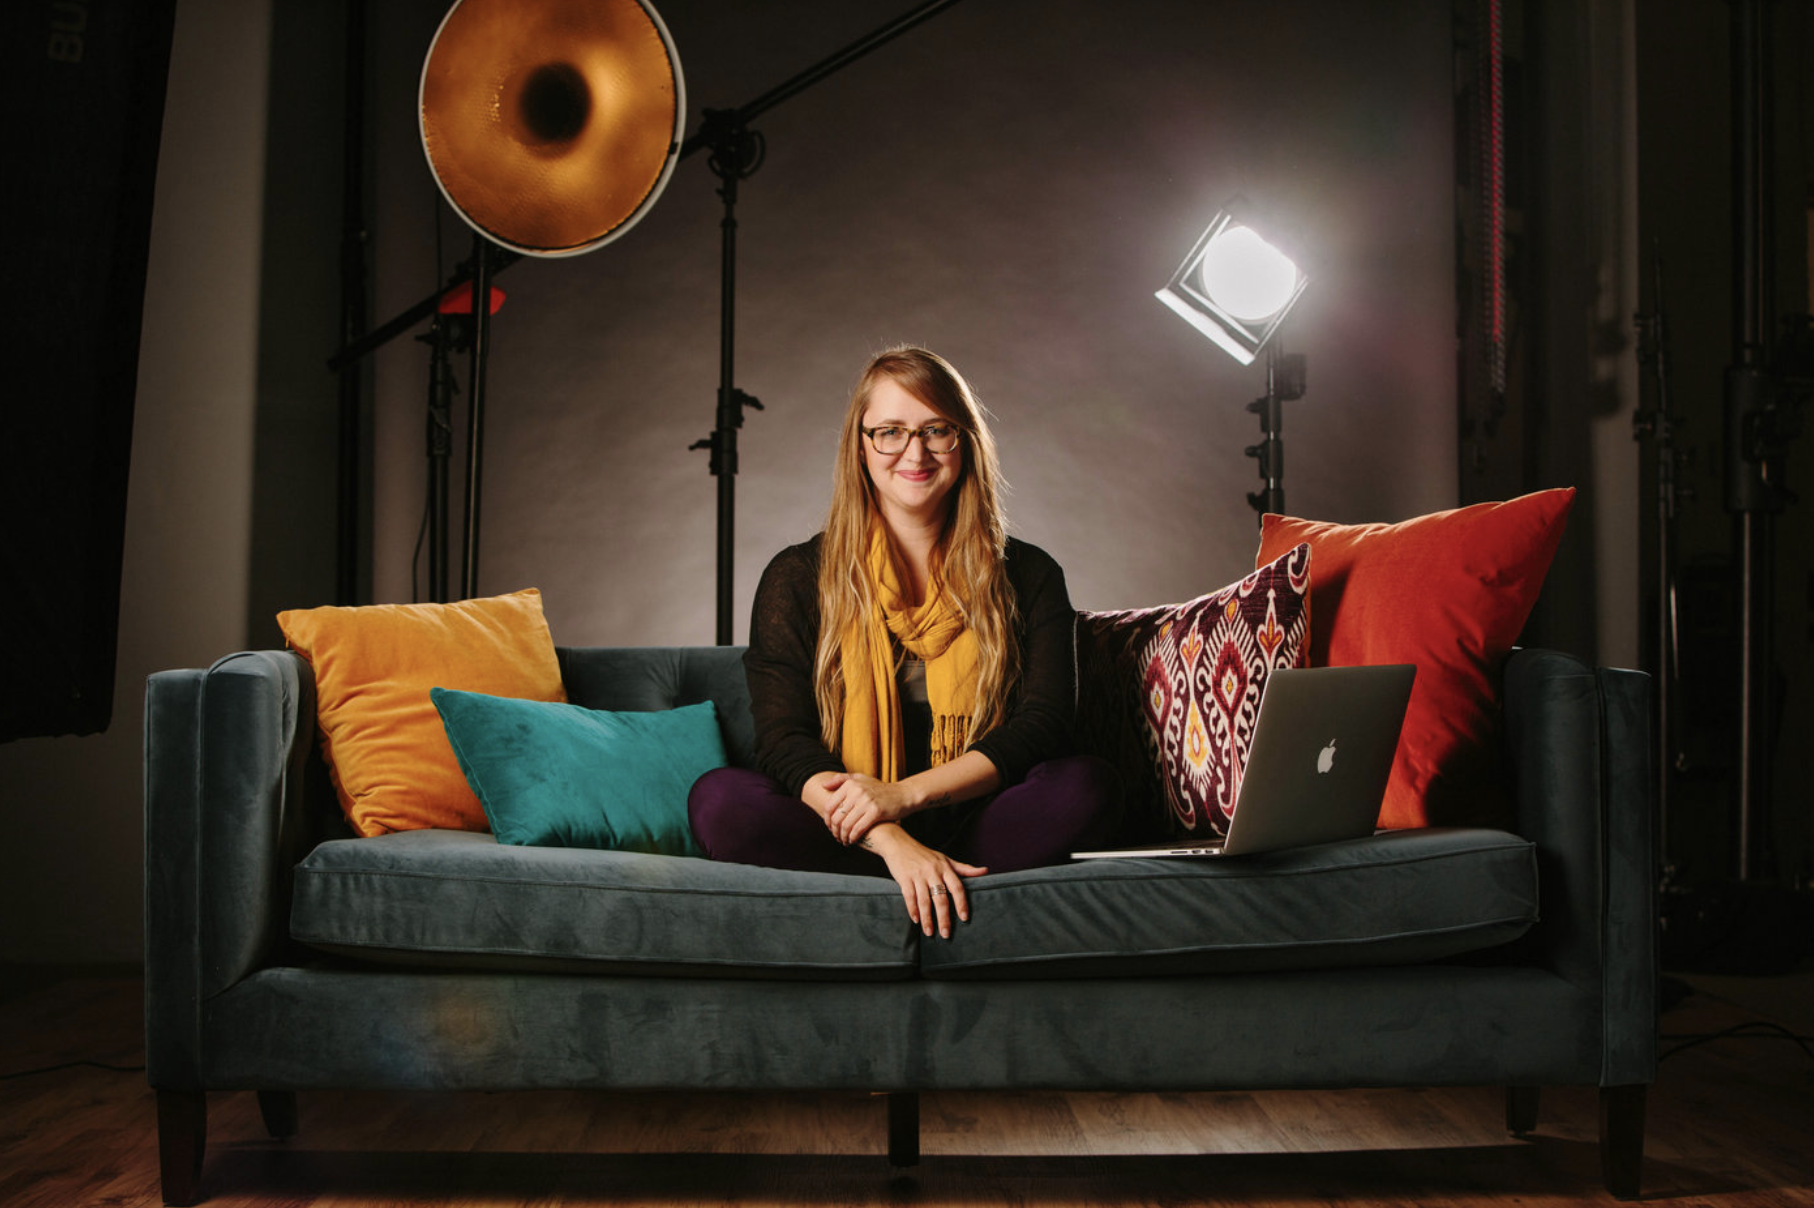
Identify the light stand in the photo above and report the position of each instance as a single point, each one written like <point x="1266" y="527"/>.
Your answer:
<point x="475" y="413"/>
<point x="441" y="339"/>
<point x="1753" y="924"/>
<point x="1285" y="374"/>
<point x="1657" y="425"/>
<point x="737" y="151"/>
<point x="348" y="382"/>
<point x="509" y="88"/>
<point x="1761" y="417"/>
<point x="451" y="332"/>
<point x="1236" y="287"/>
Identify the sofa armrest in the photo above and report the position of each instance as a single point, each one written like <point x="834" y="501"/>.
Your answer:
<point x="1578" y="751"/>
<point x="226" y="752"/>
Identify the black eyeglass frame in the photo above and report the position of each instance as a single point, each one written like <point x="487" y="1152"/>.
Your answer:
<point x="957" y="438"/>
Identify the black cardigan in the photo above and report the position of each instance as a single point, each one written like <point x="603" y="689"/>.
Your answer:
<point x="784" y="634"/>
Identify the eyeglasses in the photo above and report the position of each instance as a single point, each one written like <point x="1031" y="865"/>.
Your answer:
<point x="890" y="439"/>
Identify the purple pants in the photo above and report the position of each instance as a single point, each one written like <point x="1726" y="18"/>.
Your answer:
<point x="744" y="817"/>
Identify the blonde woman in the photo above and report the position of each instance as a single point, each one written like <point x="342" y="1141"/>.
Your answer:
<point x="912" y="670"/>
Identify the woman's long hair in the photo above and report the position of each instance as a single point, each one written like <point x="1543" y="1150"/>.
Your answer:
<point x="968" y="562"/>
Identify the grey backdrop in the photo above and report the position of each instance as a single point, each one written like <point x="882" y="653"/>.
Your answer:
<point x="1007" y="184"/>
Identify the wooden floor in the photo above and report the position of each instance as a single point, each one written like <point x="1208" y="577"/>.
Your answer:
<point x="1731" y="1125"/>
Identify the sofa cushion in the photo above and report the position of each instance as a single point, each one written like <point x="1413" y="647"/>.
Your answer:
<point x="1450" y="592"/>
<point x="1170" y="694"/>
<point x="1396" y="898"/>
<point x="455" y="899"/>
<point x="642" y="678"/>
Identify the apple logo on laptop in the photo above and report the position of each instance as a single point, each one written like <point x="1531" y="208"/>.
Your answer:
<point x="1325" y="758"/>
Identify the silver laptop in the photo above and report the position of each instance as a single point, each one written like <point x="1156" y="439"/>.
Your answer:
<point x="1322" y="752"/>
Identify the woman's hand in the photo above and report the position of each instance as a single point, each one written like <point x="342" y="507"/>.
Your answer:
<point x="932" y="883"/>
<point x="856" y="803"/>
<point x="852" y="803"/>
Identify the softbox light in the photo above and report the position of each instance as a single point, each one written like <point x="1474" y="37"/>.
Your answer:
<point x="1236" y="285"/>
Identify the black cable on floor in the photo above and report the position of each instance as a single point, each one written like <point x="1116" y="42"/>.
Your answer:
<point x="1757" y="1029"/>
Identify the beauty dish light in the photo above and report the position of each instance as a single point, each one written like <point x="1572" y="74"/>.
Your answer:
<point x="552" y="127"/>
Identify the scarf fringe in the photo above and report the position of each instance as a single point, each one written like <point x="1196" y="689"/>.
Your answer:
<point x="949" y="734"/>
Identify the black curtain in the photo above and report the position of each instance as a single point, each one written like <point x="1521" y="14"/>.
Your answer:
<point x="84" y="82"/>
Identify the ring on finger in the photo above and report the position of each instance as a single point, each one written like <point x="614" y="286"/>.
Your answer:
<point x="938" y="891"/>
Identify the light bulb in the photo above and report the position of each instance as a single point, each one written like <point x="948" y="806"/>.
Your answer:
<point x="1245" y="275"/>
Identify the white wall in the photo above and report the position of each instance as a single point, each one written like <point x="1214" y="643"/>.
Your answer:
<point x="71" y="868"/>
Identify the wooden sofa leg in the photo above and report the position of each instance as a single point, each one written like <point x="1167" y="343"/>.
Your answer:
<point x="1622" y="1139"/>
<point x="903" y="1128"/>
<point x="279" y="1111"/>
<point x="182" y="1135"/>
<point x="1521" y="1109"/>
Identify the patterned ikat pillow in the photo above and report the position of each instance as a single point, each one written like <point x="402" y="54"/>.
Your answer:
<point x="1170" y="694"/>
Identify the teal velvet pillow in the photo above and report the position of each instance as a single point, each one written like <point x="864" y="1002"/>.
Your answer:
<point x="559" y="775"/>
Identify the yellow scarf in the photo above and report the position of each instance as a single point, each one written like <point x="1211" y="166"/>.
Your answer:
<point x="872" y="741"/>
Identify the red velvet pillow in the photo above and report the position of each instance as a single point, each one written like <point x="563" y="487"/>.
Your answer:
<point x="1450" y="592"/>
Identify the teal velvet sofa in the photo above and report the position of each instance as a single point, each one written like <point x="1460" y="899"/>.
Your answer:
<point x="284" y="955"/>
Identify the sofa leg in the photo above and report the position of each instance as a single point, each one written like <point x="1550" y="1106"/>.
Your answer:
<point x="182" y="1135"/>
<point x="903" y="1128"/>
<point x="1622" y="1139"/>
<point x="1521" y="1109"/>
<point x="279" y="1111"/>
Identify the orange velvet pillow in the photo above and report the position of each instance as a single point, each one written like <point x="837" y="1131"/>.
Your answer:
<point x="1450" y="592"/>
<point x="384" y="741"/>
